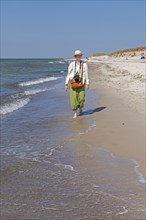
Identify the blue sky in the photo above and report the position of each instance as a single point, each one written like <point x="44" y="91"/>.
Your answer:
<point x="39" y="29"/>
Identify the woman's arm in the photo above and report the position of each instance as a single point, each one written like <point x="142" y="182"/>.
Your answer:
<point x="68" y="75"/>
<point x="70" y="68"/>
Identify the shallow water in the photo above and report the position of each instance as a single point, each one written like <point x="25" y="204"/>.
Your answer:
<point x="50" y="172"/>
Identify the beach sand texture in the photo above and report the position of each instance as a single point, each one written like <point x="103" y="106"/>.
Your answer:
<point x="121" y="86"/>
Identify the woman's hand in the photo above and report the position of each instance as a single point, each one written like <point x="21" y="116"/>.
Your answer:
<point x="66" y="87"/>
<point x="87" y="87"/>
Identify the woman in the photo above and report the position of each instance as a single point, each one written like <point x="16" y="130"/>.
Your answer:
<point x="77" y="69"/>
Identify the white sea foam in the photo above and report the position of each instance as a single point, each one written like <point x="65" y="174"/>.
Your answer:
<point x="50" y="62"/>
<point x="136" y="169"/>
<point x="107" y="151"/>
<point x="68" y="167"/>
<point x="135" y="163"/>
<point x="123" y="212"/>
<point x="87" y="130"/>
<point x="61" y="62"/>
<point x="38" y="81"/>
<point x="111" y="195"/>
<point x="51" y="152"/>
<point x="10" y="107"/>
<point x="34" y="91"/>
<point x="136" y="166"/>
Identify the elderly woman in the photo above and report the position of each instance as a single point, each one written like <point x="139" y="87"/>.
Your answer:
<point x="77" y="80"/>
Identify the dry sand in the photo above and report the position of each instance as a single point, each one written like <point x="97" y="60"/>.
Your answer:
<point x="121" y="125"/>
<point x="128" y="78"/>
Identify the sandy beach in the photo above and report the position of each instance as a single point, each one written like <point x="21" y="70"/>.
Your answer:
<point x="121" y="126"/>
<point x="57" y="167"/>
<point x="68" y="151"/>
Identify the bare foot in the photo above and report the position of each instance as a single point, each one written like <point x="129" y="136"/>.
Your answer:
<point x="75" y="115"/>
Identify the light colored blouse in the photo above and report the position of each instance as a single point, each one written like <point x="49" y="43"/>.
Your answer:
<point x="72" y="71"/>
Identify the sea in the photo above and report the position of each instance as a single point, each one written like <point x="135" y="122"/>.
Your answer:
<point x="48" y="172"/>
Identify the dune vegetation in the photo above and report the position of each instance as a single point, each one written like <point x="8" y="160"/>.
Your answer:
<point x="129" y="52"/>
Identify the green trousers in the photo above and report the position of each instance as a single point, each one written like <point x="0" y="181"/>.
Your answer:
<point x="77" y="98"/>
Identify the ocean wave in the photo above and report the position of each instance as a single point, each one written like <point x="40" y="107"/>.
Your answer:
<point x="13" y="106"/>
<point x="34" y="91"/>
<point x="38" y="81"/>
<point x="61" y="62"/>
<point x="16" y="101"/>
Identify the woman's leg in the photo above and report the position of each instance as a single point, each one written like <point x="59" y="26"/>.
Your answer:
<point x="74" y="99"/>
<point x="77" y="99"/>
<point x="81" y="98"/>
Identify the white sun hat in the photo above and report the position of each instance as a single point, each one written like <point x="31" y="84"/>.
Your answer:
<point x="78" y="52"/>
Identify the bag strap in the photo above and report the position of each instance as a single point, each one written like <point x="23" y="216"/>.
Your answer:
<point x="82" y="70"/>
<point x="81" y="67"/>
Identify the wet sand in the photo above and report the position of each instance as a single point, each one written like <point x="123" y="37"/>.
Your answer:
<point x="120" y="127"/>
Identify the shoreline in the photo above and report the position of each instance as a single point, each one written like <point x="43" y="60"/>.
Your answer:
<point x="56" y="166"/>
<point x="120" y="127"/>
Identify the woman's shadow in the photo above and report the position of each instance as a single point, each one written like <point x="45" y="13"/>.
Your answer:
<point x="92" y="111"/>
